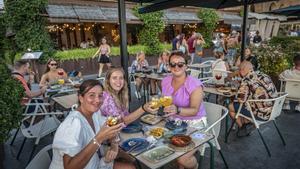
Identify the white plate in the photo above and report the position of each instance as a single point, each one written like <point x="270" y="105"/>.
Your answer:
<point x="157" y="154"/>
<point x="151" y="119"/>
<point x="157" y="137"/>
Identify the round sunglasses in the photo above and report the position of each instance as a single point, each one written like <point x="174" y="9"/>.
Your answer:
<point x="179" y="64"/>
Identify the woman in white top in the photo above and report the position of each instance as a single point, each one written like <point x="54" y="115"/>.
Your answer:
<point x="77" y="141"/>
<point x="219" y="66"/>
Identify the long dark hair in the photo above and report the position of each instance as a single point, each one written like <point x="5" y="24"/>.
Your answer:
<point x="48" y="62"/>
<point x="86" y="86"/>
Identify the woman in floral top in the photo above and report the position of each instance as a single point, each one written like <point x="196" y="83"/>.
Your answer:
<point x="115" y="98"/>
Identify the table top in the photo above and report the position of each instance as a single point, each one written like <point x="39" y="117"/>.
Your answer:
<point x="213" y="90"/>
<point x="67" y="101"/>
<point x="199" y="138"/>
<point x="199" y="66"/>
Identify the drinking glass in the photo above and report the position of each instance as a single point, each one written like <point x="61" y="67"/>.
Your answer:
<point x="166" y="101"/>
<point x="114" y="120"/>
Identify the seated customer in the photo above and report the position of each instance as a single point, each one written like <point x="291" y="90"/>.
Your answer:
<point x="78" y="140"/>
<point x="162" y="67"/>
<point x="139" y="65"/>
<point x="115" y="98"/>
<point x="52" y="74"/>
<point x="187" y="93"/>
<point x="249" y="57"/>
<point x="21" y="68"/>
<point x="254" y="85"/>
<point x="293" y="73"/>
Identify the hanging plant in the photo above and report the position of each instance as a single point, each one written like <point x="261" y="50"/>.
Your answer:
<point x="210" y="20"/>
<point x="153" y="25"/>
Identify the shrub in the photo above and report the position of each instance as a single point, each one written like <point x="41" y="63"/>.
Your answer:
<point x="11" y="93"/>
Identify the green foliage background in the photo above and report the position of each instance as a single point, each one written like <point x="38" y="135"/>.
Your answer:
<point x="210" y="20"/>
<point x="152" y="27"/>
<point x="25" y="20"/>
<point x="11" y="93"/>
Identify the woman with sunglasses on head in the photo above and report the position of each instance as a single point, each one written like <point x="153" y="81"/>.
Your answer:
<point x="52" y="74"/>
<point x="78" y="141"/>
<point x="187" y="93"/>
<point x="115" y="98"/>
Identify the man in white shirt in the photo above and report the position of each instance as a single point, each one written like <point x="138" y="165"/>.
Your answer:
<point x="293" y="73"/>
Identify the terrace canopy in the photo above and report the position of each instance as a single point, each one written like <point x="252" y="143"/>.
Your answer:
<point x="288" y="11"/>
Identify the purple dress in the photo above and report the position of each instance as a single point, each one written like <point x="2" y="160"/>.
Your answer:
<point x="181" y="97"/>
<point x="110" y="108"/>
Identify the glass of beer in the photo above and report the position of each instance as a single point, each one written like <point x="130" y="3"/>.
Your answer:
<point x="61" y="81"/>
<point x="155" y="103"/>
<point x="112" y="121"/>
<point x="166" y="101"/>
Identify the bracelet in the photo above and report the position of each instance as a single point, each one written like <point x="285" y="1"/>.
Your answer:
<point x="96" y="142"/>
<point x="178" y="110"/>
<point x="144" y="109"/>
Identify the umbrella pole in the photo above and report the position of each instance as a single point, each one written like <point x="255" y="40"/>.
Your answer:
<point x="244" y="30"/>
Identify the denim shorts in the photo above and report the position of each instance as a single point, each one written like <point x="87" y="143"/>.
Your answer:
<point x="245" y="111"/>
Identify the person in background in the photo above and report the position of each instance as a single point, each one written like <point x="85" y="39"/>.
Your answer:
<point x="103" y="56"/>
<point x="198" y="45"/>
<point x="191" y="47"/>
<point x="52" y="74"/>
<point x="84" y="45"/>
<point x="182" y="44"/>
<point x="219" y="63"/>
<point x="293" y="74"/>
<point x="162" y="67"/>
<point x="139" y="65"/>
<point x="249" y="57"/>
<point x="187" y="93"/>
<point x="257" y="39"/>
<point x="232" y="43"/>
<point x="219" y="44"/>
<point x="254" y="85"/>
<point x="21" y="68"/>
<point x="175" y="41"/>
<point x="78" y="140"/>
<point x="115" y="98"/>
<point x="90" y="43"/>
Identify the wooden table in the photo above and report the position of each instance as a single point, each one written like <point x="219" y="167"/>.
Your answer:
<point x="191" y="131"/>
<point x="67" y="101"/>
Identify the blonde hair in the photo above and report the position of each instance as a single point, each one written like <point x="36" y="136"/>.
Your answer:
<point x="121" y="98"/>
<point x="138" y="55"/>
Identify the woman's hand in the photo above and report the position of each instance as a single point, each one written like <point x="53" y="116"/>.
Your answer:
<point x="108" y="132"/>
<point x="170" y="110"/>
<point x="110" y="155"/>
<point x="149" y="109"/>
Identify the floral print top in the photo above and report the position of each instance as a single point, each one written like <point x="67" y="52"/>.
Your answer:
<point x="256" y="85"/>
<point x="110" y="108"/>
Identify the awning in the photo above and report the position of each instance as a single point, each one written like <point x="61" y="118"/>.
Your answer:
<point x="230" y="18"/>
<point x="288" y="11"/>
<point x="89" y="13"/>
<point x="252" y="15"/>
<point x="86" y="13"/>
<point x="179" y="17"/>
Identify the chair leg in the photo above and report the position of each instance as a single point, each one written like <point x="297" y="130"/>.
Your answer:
<point x="32" y="152"/>
<point x="282" y="139"/>
<point x="13" y="140"/>
<point x="227" y="133"/>
<point x="263" y="140"/>
<point x="223" y="158"/>
<point x="21" y="148"/>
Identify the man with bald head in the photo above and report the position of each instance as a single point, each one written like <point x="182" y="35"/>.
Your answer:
<point x="254" y="85"/>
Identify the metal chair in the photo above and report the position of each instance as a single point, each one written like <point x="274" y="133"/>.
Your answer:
<point x="38" y="129"/>
<point x="215" y="114"/>
<point x="42" y="160"/>
<point x="292" y="88"/>
<point x="276" y="111"/>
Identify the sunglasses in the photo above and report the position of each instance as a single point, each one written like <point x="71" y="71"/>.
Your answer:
<point x="53" y="64"/>
<point x="179" y="64"/>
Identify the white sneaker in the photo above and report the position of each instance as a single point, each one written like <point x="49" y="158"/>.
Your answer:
<point x="286" y="106"/>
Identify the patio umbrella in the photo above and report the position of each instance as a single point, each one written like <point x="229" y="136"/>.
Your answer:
<point x="288" y="11"/>
<point x="156" y="5"/>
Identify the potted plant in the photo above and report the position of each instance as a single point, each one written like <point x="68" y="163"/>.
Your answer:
<point x="272" y="60"/>
<point x="11" y="93"/>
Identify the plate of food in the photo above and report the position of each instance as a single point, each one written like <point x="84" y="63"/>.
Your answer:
<point x="224" y="89"/>
<point x="135" y="145"/>
<point x="151" y="119"/>
<point x="132" y="128"/>
<point x="157" y="154"/>
<point x="180" y="140"/>
<point x="157" y="132"/>
<point x="176" y="124"/>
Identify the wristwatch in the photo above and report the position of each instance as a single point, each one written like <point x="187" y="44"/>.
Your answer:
<point x="178" y="110"/>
